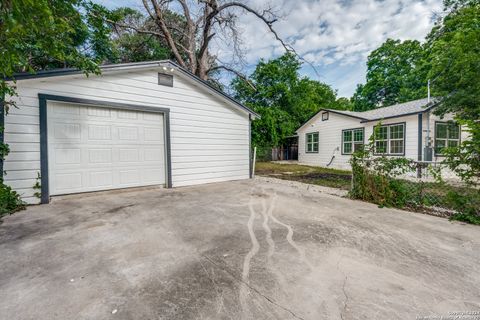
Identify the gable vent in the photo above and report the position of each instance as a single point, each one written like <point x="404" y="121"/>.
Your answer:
<point x="165" y="79"/>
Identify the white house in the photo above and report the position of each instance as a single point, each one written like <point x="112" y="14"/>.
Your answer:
<point x="136" y="124"/>
<point x="409" y="130"/>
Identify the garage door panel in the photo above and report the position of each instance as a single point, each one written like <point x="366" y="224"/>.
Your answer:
<point x="100" y="179"/>
<point x="128" y="155"/>
<point x="128" y="133"/>
<point x="66" y="131"/>
<point x="99" y="132"/>
<point x="67" y="156"/>
<point x="96" y="148"/>
<point x="96" y="156"/>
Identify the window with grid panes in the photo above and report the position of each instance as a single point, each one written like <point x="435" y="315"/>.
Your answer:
<point x="390" y="139"/>
<point x="447" y="134"/>
<point x="353" y="140"/>
<point x="311" y="140"/>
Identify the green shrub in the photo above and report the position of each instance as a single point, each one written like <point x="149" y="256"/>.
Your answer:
<point x="466" y="204"/>
<point x="10" y="201"/>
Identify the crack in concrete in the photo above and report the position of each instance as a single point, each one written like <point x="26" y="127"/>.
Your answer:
<point x="347" y="298"/>
<point x="345" y="302"/>
<point x="269" y="299"/>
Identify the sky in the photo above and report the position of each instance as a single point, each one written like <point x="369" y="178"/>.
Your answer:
<point x="335" y="36"/>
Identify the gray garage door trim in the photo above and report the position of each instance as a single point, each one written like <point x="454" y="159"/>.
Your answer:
<point x="44" y="98"/>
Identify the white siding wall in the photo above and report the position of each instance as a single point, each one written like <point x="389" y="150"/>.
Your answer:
<point x="411" y="133"/>
<point x="330" y="138"/>
<point x="433" y="118"/>
<point x="209" y="137"/>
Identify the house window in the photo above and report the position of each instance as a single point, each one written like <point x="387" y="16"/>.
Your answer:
<point x="390" y="139"/>
<point x="447" y="134"/>
<point x="352" y="140"/>
<point x="324" y="116"/>
<point x="312" y="142"/>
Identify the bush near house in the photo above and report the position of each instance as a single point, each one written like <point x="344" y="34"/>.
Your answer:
<point x="10" y="201"/>
<point x="379" y="180"/>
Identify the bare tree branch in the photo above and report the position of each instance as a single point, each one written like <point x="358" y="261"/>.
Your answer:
<point x="237" y="73"/>
<point x="191" y="29"/>
<point x="159" y="18"/>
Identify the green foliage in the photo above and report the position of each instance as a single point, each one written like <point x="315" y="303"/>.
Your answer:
<point x="10" y="201"/>
<point x="398" y="72"/>
<point x="395" y="74"/>
<point x="454" y="54"/>
<point x="464" y="160"/>
<point x="375" y="177"/>
<point x="40" y="34"/>
<point x="283" y="98"/>
<point x="454" y="50"/>
<point x="37" y="186"/>
<point x="120" y="44"/>
<point x="36" y="35"/>
<point x="466" y="204"/>
<point x="378" y="180"/>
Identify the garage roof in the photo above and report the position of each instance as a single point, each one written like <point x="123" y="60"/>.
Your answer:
<point x="137" y="65"/>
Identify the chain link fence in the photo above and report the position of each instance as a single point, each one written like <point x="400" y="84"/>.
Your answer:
<point x="419" y="190"/>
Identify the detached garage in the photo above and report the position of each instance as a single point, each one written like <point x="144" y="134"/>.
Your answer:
<point x="138" y="124"/>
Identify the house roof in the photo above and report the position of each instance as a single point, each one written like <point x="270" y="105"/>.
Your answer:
<point x="394" y="111"/>
<point x="135" y="65"/>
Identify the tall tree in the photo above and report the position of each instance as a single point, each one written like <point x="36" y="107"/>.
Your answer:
<point x="42" y="34"/>
<point x="201" y="23"/>
<point x="395" y="73"/>
<point x="454" y="51"/>
<point x="118" y="43"/>
<point x="283" y="98"/>
<point x="35" y="35"/>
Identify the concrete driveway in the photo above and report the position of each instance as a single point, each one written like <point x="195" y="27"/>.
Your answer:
<point x="246" y="249"/>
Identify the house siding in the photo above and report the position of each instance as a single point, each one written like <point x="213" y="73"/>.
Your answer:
<point x="330" y="137"/>
<point x="330" y="141"/>
<point x="411" y="133"/>
<point x="209" y="137"/>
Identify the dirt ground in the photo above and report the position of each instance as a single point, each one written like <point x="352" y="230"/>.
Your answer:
<point x="251" y="249"/>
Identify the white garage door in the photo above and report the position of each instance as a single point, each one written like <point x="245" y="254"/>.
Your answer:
<point x="97" y="148"/>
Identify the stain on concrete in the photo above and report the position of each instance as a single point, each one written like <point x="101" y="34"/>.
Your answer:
<point x="180" y="254"/>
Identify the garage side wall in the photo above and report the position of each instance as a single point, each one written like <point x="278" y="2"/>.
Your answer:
<point x="209" y="137"/>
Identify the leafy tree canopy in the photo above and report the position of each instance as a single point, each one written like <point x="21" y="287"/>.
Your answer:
<point x="116" y="42"/>
<point x="41" y="34"/>
<point x="454" y="51"/>
<point x="395" y="74"/>
<point x="454" y="55"/>
<point x="283" y="98"/>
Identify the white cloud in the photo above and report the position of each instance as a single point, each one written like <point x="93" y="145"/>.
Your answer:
<point x="337" y="32"/>
<point x="335" y="35"/>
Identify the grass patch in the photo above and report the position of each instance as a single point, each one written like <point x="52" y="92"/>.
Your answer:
<point x="314" y="175"/>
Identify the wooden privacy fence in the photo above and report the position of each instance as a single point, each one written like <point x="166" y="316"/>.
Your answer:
<point x="285" y="153"/>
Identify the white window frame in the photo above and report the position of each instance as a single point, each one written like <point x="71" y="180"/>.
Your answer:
<point x="447" y="139"/>
<point x="352" y="142"/>
<point x="389" y="140"/>
<point x="311" y="143"/>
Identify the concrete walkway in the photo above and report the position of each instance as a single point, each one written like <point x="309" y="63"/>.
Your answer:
<point x="236" y="250"/>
